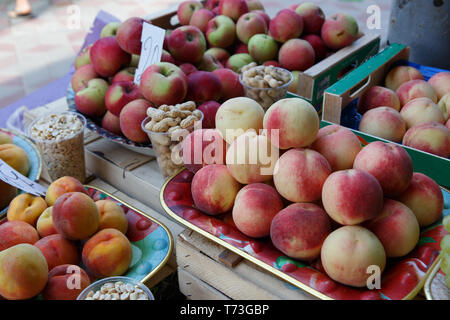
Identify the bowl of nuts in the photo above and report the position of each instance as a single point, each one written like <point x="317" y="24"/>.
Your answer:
<point x="265" y="84"/>
<point x="166" y="127"/>
<point x="116" y="288"/>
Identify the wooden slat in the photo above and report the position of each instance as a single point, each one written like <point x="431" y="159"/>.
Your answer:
<point x="195" y="289"/>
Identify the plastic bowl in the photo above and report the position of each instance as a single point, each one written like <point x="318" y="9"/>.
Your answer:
<point x="266" y="96"/>
<point x="95" y="286"/>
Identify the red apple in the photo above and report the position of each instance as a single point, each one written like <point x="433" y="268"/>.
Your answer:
<point x="233" y="8"/>
<point x="119" y="94"/>
<point x="209" y="109"/>
<point x="186" y="9"/>
<point x="187" y="44"/>
<point x="320" y="48"/>
<point x="187" y="68"/>
<point x="313" y="17"/>
<point x="203" y="86"/>
<point x="126" y="74"/>
<point x="219" y="53"/>
<point x="82" y="75"/>
<point x="221" y="31"/>
<point x="129" y="35"/>
<point x="231" y="85"/>
<point x="90" y="100"/>
<point x="107" y="57"/>
<point x="131" y="118"/>
<point x="163" y="83"/>
<point x="287" y="24"/>
<point x="200" y="19"/>
<point x="248" y="25"/>
<point x="111" y="123"/>
<point x="296" y="54"/>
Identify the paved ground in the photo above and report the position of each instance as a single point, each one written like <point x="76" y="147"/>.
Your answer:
<point x="38" y="49"/>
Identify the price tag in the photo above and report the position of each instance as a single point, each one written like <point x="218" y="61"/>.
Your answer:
<point x="14" y="178"/>
<point x="152" y="45"/>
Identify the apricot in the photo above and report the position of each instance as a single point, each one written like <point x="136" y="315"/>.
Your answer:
<point x="26" y="207"/>
<point x="75" y="216"/>
<point x="111" y="216"/>
<point x="63" y="185"/>
<point x="108" y="253"/>
<point x="15" y="157"/>
<point x="44" y="224"/>
<point x="16" y="232"/>
<point x="23" y="272"/>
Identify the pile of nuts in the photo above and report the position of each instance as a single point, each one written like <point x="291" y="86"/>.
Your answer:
<point x="167" y="128"/>
<point x="265" y="84"/>
<point x="59" y="137"/>
<point x="117" y="291"/>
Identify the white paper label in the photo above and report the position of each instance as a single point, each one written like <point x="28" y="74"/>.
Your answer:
<point x="152" y="45"/>
<point x="14" y="178"/>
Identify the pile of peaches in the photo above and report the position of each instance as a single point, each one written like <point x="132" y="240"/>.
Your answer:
<point x="409" y="110"/>
<point x="314" y="192"/>
<point x="201" y="59"/>
<point x="43" y="242"/>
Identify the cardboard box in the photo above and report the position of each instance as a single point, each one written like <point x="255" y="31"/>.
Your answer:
<point x="344" y="94"/>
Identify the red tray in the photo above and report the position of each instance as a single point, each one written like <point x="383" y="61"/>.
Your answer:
<point x="403" y="278"/>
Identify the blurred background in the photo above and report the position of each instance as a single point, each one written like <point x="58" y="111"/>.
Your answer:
<point x="40" y="48"/>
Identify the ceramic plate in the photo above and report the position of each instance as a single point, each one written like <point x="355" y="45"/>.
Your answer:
<point x="94" y="126"/>
<point x="403" y="278"/>
<point x="33" y="154"/>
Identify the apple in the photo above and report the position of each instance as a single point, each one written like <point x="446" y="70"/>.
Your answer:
<point x="339" y="31"/>
<point x="187" y="44"/>
<point x="110" y="29"/>
<point x="107" y="57"/>
<point x="134" y="61"/>
<point x="83" y="57"/>
<point x="320" y="48"/>
<point x="248" y="25"/>
<point x="119" y="94"/>
<point x="208" y="63"/>
<point x="262" y="47"/>
<point x="221" y="31"/>
<point x="237" y="61"/>
<point x="296" y="54"/>
<point x="186" y="9"/>
<point x="126" y="74"/>
<point x="200" y="19"/>
<point x="203" y="86"/>
<point x="90" y="100"/>
<point x="313" y="17"/>
<point x="264" y="15"/>
<point x="219" y="53"/>
<point x="233" y="8"/>
<point x="111" y="123"/>
<point x="166" y="39"/>
<point x="163" y="83"/>
<point x="254" y="5"/>
<point x="82" y="75"/>
<point x="231" y="85"/>
<point x="287" y="24"/>
<point x="187" y="68"/>
<point x="209" y="109"/>
<point x="211" y="4"/>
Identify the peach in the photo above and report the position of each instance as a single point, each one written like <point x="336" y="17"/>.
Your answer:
<point x="237" y="115"/>
<point x="57" y="250"/>
<point x="440" y="83"/>
<point x="338" y="145"/>
<point x="300" y="174"/>
<point x="16" y="232"/>
<point x="401" y="74"/>
<point x="296" y="54"/>
<point x="23" y="272"/>
<point x="15" y="157"/>
<point x="61" y="186"/>
<point x="202" y="147"/>
<point x="254" y="208"/>
<point x="65" y="282"/>
<point x="383" y="122"/>
<point x="444" y="104"/>
<point x="431" y="137"/>
<point x="415" y="89"/>
<point x="251" y="158"/>
<point x="352" y="196"/>
<point x="347" y="253"/>
<point x="295" y="119"/>
<point x="27" y="208"/>
<point x="378" y="97"/>
<point x="396" y="227"/>
<point x="339" y="31"/>
<point x="389" y="163"/>
<point x="131" y="118"/>
<point x="299" y="230"/>
<point x="111" y="216"/>
<point x="421" y="110"/>
<point x="44" y="224"/>
<point x="214" y="189"/>
<point x="5" y="138"/>
<point x="8" y="193"/>
<point x="424" y="198"/>
<point x="75" y="216"/>
<point x="108" y="253"/>
<point x="111" y="123"/>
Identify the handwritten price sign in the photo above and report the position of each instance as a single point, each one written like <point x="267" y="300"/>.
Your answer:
<point x="14" y="178"/>
<point x="152" y="45"/>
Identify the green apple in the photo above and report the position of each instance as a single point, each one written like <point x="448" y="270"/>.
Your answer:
<point x="262" y="47"/>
